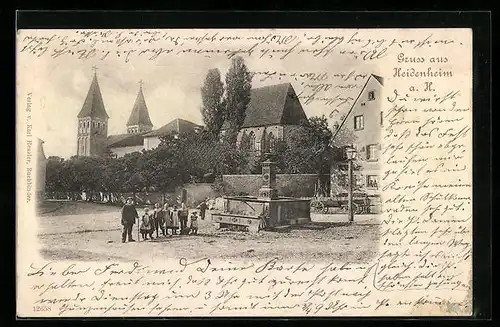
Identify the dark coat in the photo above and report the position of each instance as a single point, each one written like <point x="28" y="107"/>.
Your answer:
<point x="159" y="215"/>
<point x="203" y="206"/>
<point x="129" y="214"/>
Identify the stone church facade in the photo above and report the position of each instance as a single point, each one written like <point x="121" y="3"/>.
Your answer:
<point x="92" y="134"/>
<point x="92" y="123"/>
<point x="273" y="112"/>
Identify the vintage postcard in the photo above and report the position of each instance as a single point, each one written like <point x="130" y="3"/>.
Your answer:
<point x="244" y="172"/>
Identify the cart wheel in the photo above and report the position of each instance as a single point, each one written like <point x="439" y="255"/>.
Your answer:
<point x="357" y="208"/>
<point x="317" y="206"/>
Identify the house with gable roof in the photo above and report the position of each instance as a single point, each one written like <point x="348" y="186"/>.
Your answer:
<point x="175" y="127"/>
<point x="272" y="113"/>
<point x="364" y="120"/>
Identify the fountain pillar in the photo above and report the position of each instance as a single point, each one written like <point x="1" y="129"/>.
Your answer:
<point x="268" y="190"/>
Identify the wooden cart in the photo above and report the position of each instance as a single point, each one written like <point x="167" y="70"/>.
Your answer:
<point x="361" y="203"/>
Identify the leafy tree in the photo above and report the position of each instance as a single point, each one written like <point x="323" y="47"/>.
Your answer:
<point x="343" y="136"/>
<point x="89" y="174"/>
<point x="113" y="177"/>
<point x="307" y="150"/>
<point x="245" y="142"/>
<point x="133" y="177"/>
<point x="212" y="99"/>
<point x="195" y="154"/>
<point x="238" y="87"/>
<point x="54" y="180"/>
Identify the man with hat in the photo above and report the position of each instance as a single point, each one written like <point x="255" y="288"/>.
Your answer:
<point x="129" y="215"/>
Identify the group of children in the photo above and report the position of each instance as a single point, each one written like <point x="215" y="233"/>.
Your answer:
<point x="168" y="218"/>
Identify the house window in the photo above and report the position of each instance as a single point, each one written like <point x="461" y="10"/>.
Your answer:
<point x="357" y="180"/>
<point x="372" y="152"/>
<point x="359" y="122"/>
<point x="381" y="118"/>
<point x="372" y="181"/>
<point x="343" y="177"/>
<point x="371" y="95"/>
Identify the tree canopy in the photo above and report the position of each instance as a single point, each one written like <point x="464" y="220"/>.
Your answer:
<point x="213" y="109"/>
<point x="308" y="149"/>
<point x="179" y="159"/>
<point x="237" y="98"/>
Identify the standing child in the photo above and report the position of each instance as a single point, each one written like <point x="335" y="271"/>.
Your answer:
<point x="159" y="219"/>
<point x="183" y="217"/>
<point x="203" y="206"/>
<point x="168" y="218"/>
<point x="194" y="223"/>
<point x="146" y="227"/>
<point x="174" y="220"/>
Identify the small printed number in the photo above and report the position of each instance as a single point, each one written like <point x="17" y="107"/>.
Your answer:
<point x="41" y="308"/>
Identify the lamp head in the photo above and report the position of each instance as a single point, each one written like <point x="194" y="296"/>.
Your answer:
<point x="351" y="153"/>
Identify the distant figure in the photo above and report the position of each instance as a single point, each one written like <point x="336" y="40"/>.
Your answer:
<point x="203" y="206"/>
<point x="129" y="215"/>
<point x="183" y="217"/>
<point x="194" y="223"/>
<point x="159" y="219"/>
<point x="173" y="221"/>
<point x="146" y="227"/>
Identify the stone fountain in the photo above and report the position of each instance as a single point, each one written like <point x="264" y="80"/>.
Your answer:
<point x="248" y="211"/>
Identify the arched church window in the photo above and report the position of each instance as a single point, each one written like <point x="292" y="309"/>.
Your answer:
<point x="271" y="141"/>
<point x="263" y="143"/>
<point x="252" y="141"/>
<point x="245" y="142"/>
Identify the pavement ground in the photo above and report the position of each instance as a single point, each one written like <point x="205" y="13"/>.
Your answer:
<point x="92" y="232"/>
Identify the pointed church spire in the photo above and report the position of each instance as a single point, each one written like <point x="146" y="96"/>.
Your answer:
<point x="94" y="105"/>
<point x="139" y="117"/>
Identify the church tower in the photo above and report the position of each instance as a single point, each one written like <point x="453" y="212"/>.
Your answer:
<point x="139" y="120"/>
<point x="92" y="123"/>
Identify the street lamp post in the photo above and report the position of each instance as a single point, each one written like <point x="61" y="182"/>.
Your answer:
<point x="351" y="154"/>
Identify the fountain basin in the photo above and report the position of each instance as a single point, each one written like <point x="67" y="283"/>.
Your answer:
<point x="247" y="211"/>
